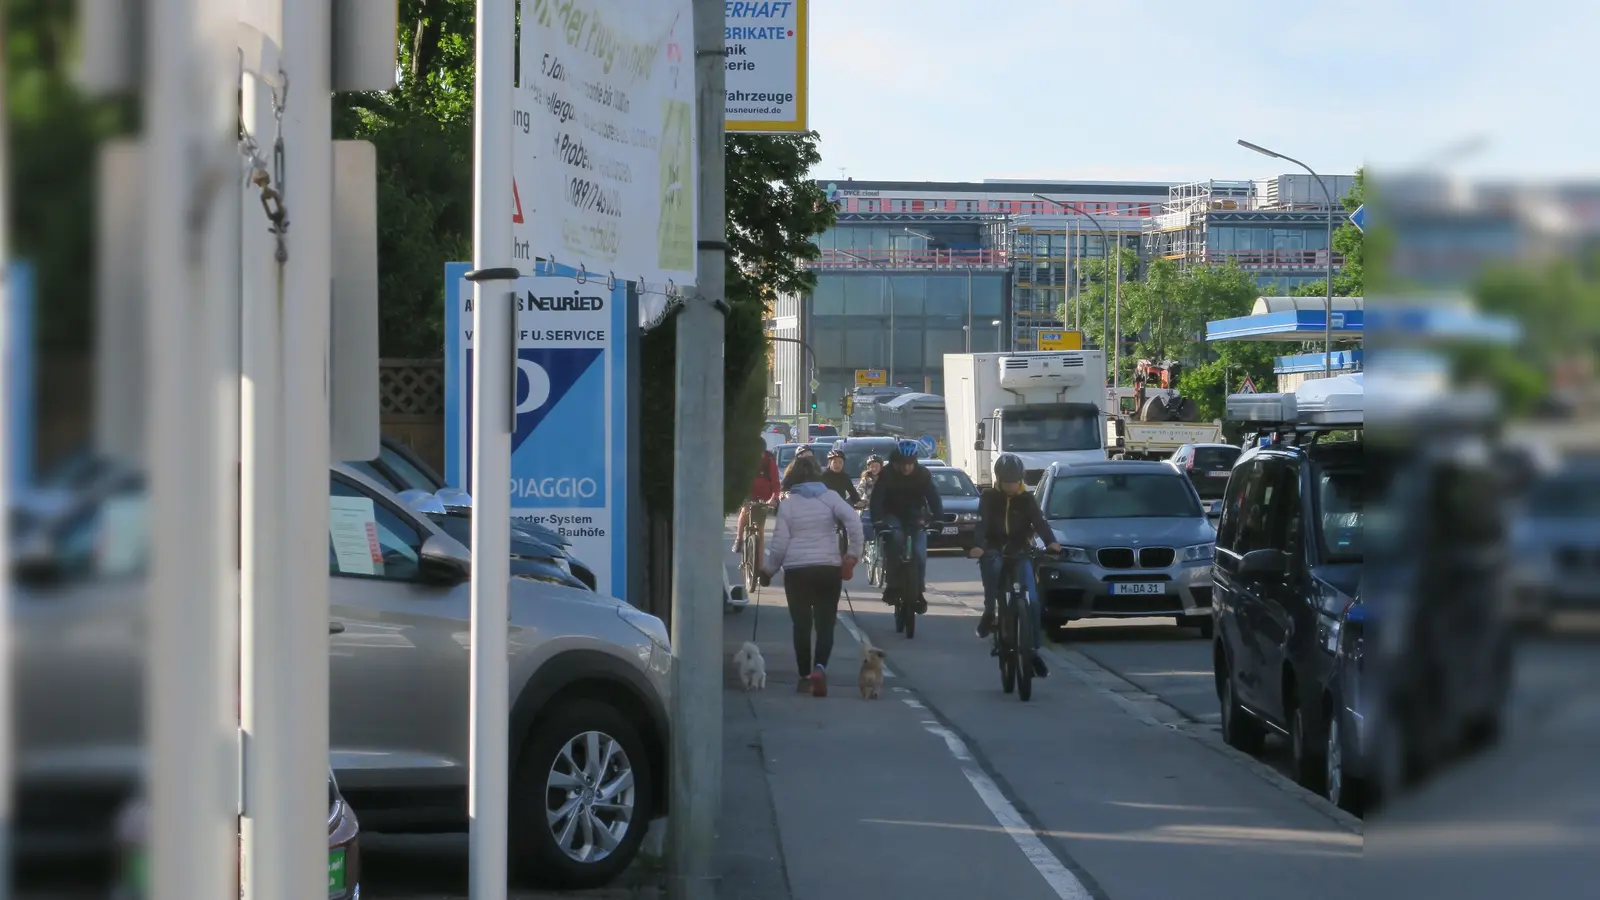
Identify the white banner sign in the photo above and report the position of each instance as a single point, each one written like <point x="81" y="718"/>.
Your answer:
<point x="605" y="163"/>
<point x="766" y="50"/>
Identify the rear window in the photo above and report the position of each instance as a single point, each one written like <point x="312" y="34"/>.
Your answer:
<point x="953" y="483"/>
<point x="1214" y="458"/>
<point x="1122" y="496"/>
<point x="823" y="431"/>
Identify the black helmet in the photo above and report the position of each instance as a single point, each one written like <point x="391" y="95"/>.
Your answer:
<point x="1008" y="469"/>
<point x="836" y="453"/>
<point x="903" y="451"/>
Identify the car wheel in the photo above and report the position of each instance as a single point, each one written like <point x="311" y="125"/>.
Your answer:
<point x="1201" y="622"/>
<point x="1309" y="766"/>
<point x="1342" y="790"/>
<point x="1239" y="730"/>
<point x="580" y="798"/>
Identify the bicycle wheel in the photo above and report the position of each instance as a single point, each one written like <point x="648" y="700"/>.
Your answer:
<point x="1024" y="652"/>
<point x="911" y="616"/>
<point x="751" y="566"/>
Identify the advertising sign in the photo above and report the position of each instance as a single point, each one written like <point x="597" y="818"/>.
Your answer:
<point x="871" y="378"/>
<point x="569" y="449"/>
<point x="1060" y="340"/>
<point x="766" y="65"/>
<point x="604" y="160"/>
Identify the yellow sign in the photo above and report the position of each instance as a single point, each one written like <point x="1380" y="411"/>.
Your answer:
<point x="871" y="378"/>
<point x="1060" y="340"/>
<point x="768" y="67"/>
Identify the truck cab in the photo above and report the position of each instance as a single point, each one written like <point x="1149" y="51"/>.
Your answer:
<point x="1041" y="434"/>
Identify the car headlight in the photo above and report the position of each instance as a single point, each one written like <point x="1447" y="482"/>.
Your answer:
<point x="647" y="625"/>
<point x="1200" y="553"/>
<point x="1075" y="555"/>
<point x="967" y="517"/>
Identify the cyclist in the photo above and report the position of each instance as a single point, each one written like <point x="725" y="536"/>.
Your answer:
<point x="1008" y="520"/>
<point x="869" y="475"/>
<point x="764" y="489"/>
<point x="835" y="478"/>
<point x="905" y="498"/>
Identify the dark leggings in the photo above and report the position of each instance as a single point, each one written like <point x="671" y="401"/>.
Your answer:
<point x="813" y="595"/>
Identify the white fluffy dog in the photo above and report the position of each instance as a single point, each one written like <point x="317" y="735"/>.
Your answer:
<point x="752" y="667"/>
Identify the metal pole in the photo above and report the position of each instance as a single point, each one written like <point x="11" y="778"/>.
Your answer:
<point x="494" y="364"/>
<point x="1105" y="244"/>
<point x="695" y="783"/>
<point x="887" y="280"/>
<point x="189" y="730"/>
<point x="1116" y="353"/>
<point x="969" y="309"/>
<point x="5" y="500"/>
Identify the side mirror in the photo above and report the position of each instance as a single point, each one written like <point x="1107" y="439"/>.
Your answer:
<point x="1264" y="563"/>
<point x="34" y="560"/>
<point x="1214" y="510"/>
<point x="444" y="560"/>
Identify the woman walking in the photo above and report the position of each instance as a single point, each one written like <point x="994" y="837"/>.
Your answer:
<point x="805" y="547"/>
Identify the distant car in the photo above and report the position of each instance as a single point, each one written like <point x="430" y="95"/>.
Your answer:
<point x="822" y="431"/>
<point x="1207" y="466"/>
<point x="1136" y="542"/>
<point x="785" y="453"/>
<point x="960" y="499"/>
<point x="1555" y="540"/>
<point x="857" y="449"/>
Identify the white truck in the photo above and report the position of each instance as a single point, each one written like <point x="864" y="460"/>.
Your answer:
<point x="1045" y="406"/>
<point x="1128" y="438"/>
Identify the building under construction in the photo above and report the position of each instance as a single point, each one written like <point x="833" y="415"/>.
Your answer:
<point x="1275" y="228"/>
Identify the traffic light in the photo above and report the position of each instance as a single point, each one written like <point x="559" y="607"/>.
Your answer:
<point x="813" y="402"/>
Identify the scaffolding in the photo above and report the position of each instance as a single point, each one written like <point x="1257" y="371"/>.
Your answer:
<point x="1181" y="231"/>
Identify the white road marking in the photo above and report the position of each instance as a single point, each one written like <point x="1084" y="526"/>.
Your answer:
<point x="1061" y="880"/>
<point x="914" y="704"/>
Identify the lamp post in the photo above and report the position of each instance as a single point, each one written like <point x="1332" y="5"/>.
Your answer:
<point x="890" y="372"/>
<point x="1105" y="242"/>
<point x="1327" y="306"/>
<point x="996" y="323"/>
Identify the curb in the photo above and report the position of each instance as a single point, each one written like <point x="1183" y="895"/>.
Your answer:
<point x="1157" y="713"/>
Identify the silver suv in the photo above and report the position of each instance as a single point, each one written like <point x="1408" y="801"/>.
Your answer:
<point x="1136" y="542"/>
<point x="589" y="684"/>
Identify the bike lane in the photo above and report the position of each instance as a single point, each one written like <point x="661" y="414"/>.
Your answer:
<point x="1140" y="807"/>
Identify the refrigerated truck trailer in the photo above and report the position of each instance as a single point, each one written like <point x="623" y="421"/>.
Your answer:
<point x="1046" y="406"/>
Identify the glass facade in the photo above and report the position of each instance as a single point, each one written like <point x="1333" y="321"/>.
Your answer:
<point x="851" y="318"/>
<point x="1233" y="238"/>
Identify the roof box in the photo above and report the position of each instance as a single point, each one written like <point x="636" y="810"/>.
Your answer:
<point x="1337" y="402"/>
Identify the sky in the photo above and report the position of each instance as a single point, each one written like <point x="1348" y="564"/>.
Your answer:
<point x="1159" y="90"/>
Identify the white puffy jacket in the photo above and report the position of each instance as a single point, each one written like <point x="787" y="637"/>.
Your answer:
<point x="806" y="533"/>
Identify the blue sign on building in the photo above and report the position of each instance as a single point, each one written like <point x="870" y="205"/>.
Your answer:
<point x="569" y="447"/>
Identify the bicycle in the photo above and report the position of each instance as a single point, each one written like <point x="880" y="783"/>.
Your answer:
<point x="909" y="587"/>
<point x="1012" y="640"/>
<point x="750" y="549"/>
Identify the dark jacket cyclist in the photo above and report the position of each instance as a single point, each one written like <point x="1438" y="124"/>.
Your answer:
<point x="835" y="477"/>
<point x="905" y="499"/>
<point x="1009" y="519"/>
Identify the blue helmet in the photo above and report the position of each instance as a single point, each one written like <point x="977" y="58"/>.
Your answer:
<point x="903" y="451"/>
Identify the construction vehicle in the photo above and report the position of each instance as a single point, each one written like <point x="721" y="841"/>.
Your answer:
<point x="1150" y="419"/>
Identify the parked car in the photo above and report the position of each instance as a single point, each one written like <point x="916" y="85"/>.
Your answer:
<point x="1136" y="542"/>
<point x="531" y="556"/>
<point x="1349" y="723"/>
<point x="1287" y="566"/>
<point x="400" y="470"/>
<point x="959" y="496"/>
<point x="1207" y="466"/>
<point x="590" y="682"/>
<point x="344" y="849"/>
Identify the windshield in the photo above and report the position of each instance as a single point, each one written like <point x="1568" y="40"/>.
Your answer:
<point x="1569" y="496"/>
<point x="952" y="483"/>
<point x="1214" y="458"/>
<point x="408" y="473"/>
<point x="1074" y="426"/>
<point x="1151" y="495"/>
<point x="1341" y="500"/>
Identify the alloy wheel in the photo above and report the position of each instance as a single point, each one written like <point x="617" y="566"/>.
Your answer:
<point x="590" y="797"/>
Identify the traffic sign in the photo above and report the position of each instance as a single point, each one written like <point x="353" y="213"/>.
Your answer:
<point x="1249" y="386"/>
<point x="1059" y="340"/>
<point x="814" y="385"/>
<point x="1359" y="218"/>
<point x="927" y="443"/>
<point x="871" y="378"/>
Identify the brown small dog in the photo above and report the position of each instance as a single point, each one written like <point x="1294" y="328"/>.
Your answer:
<point x="871" y="680"/>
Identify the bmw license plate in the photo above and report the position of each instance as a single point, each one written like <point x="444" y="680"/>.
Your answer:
<point x="1217" y="474"/>
<point x="1139" y="588"/>
<point x="950" y="529"/>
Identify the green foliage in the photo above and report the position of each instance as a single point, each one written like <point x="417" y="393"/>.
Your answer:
<point x="55" y="134"/>
<point x="1350" y="280"/>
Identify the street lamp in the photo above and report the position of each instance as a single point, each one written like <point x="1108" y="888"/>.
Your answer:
<point x="1327" y="306"/>
<point x="1105" y="242"/>
<point x="997" y="342"/>
<point x="930" y="238"/>
<point x="890" y="372"/>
